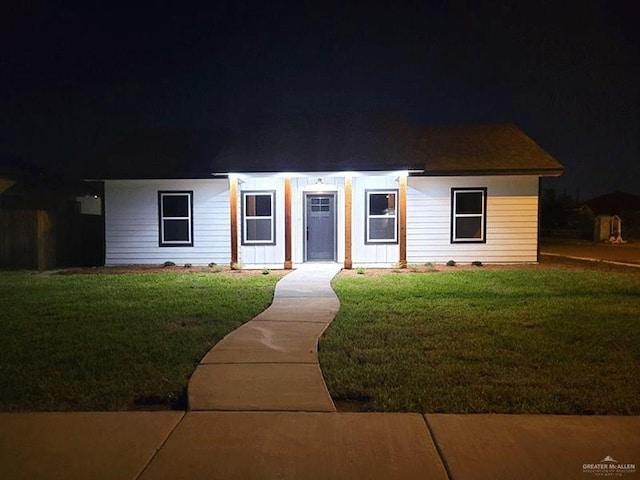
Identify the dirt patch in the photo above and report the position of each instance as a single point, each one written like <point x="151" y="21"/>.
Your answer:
<point x="545" y="262"/>
<point x="160" y="269"/>
<point x="427" y="269"/>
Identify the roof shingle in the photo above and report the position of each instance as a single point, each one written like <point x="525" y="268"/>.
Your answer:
<point x="347" y="143"/>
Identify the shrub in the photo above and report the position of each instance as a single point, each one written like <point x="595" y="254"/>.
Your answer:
<point x="451" y="263"/>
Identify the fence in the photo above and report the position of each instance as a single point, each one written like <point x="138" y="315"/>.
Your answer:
<point x="41" y="239"/>
<point x="27" y="239"/>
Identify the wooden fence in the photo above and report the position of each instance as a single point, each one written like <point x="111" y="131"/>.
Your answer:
<point x="42" y="239"/>
<point x="27" y="239"/>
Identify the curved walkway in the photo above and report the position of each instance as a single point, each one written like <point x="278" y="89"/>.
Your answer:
<point x="271" y="362"/>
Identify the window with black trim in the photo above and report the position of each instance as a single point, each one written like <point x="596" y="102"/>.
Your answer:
<point x="381" y="224"/>
<point x="468" y="215"/>
<point x="258" y="218"/>
<point x="175" y="215"/>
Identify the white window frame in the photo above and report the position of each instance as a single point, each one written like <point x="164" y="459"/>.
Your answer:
<point x="482" y="215"/>
<point x="245" y="218"/>
<point x="162" y="218"/>
<point x="369" y="217"/>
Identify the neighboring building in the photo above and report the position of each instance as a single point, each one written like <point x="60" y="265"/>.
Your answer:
<point x="358" y="192"/>
<point x="614" y="214"/>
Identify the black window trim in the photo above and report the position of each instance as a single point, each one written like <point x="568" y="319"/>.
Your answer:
<point x="385" y="241"/>
<point x="483" y="237"/>
<point x="161" y="242"/>
<point x="272" y="194"/>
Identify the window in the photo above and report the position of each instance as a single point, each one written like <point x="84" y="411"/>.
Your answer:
<point x="468" y="214"/>
<point x="258" y="219"/>
<point x="320" y="204"/>
<point x="175" y="212"/>
<point x="382" y="218"/>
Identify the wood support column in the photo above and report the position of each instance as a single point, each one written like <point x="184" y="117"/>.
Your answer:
<point x="233" y="211"/>
<point x="288" y="264"/>
<point x="402" y="220"/>
<point x="45" y="240"/>
<point x="348" y="200"/>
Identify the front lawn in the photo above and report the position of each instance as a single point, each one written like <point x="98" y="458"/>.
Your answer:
<point x="515" y="340"/>
<point x="115" y="342"/>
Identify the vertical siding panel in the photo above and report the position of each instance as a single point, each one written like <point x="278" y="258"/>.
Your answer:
<point x="382" y="255"/>
<point x="265" y="256"/>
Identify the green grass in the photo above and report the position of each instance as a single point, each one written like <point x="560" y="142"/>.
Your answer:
<point x="114" y="342"/>
<point x="522" y="340"/>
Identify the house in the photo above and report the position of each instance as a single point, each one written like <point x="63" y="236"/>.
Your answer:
<point x="354" y="191"/>
<point x="601" y="217"/>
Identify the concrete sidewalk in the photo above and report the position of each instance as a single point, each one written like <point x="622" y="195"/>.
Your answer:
<point x="298" y="445"/>
<point x="264" y="412"/>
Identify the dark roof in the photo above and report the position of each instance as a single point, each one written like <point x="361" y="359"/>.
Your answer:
<point x="327" y="144"/>
<point x="337" y="143"/>
<point x="159" y="153"/>
<point x="483" y="150"/>
<point x="351" y="144"/>
<point x="614" y="203"/>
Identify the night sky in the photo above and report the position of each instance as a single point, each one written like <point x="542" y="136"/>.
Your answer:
<point x="75" y="80"/>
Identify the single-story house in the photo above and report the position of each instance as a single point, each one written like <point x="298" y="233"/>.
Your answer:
<point x="360" y="193"/>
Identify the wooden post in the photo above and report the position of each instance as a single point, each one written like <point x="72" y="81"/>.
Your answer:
<point x="233" y="211"/>
<point x="402" y="220"/>
<point x="46" y="247"/>
<point x="348" y="194"/>
<point x="288" y="264"/>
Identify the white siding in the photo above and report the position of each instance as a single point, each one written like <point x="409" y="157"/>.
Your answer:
<point x="308" y="184"/>
<point x="381" y="255"/>
<point x="512" y="220"/>
<point x="272" y="256"/>
<point x="263" y="256"/>
<point x="131" y="216"/>
<point x="131" y="220"/>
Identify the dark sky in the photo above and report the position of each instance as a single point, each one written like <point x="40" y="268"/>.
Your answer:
<point x="75" y="79"/>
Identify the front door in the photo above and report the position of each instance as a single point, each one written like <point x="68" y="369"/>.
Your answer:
<point x="320" y="227"/>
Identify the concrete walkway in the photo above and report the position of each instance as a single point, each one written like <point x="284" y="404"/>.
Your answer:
<point x="260" y="410"/>
<point x="271" y="362"/>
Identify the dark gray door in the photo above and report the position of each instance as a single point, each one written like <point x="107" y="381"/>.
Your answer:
<point x="320" y="228"/>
